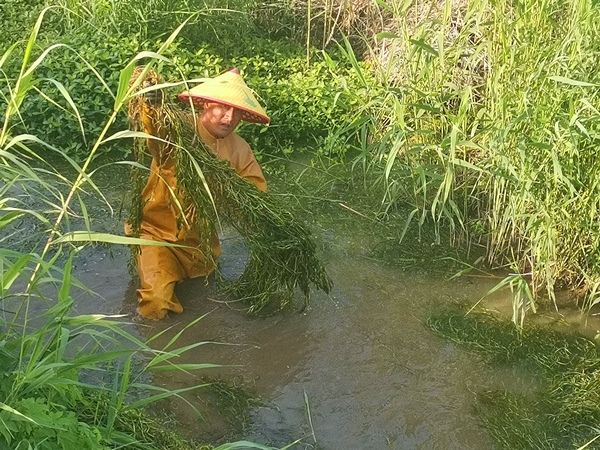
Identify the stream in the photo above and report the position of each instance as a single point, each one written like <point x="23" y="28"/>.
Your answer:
<point x="358" y="369"/>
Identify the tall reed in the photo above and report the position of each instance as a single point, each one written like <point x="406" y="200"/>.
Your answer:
<point x="484" y="116"/>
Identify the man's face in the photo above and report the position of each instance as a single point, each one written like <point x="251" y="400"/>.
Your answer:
<point x="220" y="120"/>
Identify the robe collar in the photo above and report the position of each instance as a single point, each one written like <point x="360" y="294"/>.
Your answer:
<point x="206" y="136"/>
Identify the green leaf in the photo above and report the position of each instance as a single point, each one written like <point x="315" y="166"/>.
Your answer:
<point x="8" y="218"/>
<point x="423" y="45"/>
<point x="571" y="82"/>
<point x="66" y="284"/>
<point x="183" y="367"/>
<point x="61" y="88"/>
<point x="90" y="236"/>
<point x="7" y="54"/>
<point x="126" y="134"/>
<point x="124" y="78"/>
<point x="387" y="35"/>
<point x="7" y="278"/>
<point x="15" y="412"/>
<point x="165" y="394"/>
<point x="384" y="5"/>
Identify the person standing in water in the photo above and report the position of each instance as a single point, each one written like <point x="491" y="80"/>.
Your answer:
<point x="223" y="102"/>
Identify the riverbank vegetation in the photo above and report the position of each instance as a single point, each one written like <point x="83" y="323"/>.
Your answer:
<point x="477" y="119"/>
<point x="479" y="116"/>
<point x="67" y="380"/>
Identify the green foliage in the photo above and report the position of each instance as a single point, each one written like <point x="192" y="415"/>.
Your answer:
<point x="46" y="404"/>
<point x="50" y="118"/>
<point x="489" y="124"/>
<point x="565" y="409"/>
<point x="304" y="102"/>
<point x="46" y="352"/>
<point x="209" y="20"/>
<point x="46" y="427"/>
<point x="16" y="19"/>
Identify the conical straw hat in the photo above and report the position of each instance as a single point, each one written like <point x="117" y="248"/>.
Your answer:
<point x="230" y="89"/>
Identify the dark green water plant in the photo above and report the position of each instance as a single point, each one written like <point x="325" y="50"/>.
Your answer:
<point x="563" y="411"/>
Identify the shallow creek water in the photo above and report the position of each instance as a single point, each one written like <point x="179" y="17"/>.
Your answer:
<point x="357" y="370"/>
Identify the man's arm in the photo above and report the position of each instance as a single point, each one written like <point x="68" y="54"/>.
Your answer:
<point x="147" y="111"/>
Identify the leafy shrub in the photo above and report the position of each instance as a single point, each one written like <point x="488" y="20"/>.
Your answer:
<point x="16" y="18"/>
<point x="50" y="117"/>
<point x="304" y="101"/>
<point x="47" y="427"/>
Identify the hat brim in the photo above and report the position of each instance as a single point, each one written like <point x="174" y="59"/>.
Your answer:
<point x="247" y="115"/>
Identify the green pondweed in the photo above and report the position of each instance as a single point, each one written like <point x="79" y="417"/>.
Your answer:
<point x="561" y="411"/>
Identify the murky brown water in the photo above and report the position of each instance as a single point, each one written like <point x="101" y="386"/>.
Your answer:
<point x="358" y="370"/>
<point x="360" y="360"/>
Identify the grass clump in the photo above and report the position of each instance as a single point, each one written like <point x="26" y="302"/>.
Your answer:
<point x="147" y="431"/>
<point x="565" y="410"/>
<point x="485" y="118"/>
<point x="283" y="256"/>
<point x="227" y="411"/>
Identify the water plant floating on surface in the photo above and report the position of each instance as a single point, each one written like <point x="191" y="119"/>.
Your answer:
<point x="283" y="256"/>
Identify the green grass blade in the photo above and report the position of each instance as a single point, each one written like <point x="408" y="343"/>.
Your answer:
<point x="91" y="236"/>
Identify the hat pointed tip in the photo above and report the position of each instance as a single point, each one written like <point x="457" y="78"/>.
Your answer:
<point x="234" y="70"/>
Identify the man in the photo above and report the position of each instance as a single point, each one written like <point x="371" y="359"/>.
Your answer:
<point x="223" y="101"/>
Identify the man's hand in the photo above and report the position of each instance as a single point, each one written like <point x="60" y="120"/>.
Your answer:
<point x="155" y="97"/>
<point x="146" y="113"/>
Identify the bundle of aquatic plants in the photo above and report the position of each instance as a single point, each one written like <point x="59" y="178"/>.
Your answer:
<point x="283" y="256"/>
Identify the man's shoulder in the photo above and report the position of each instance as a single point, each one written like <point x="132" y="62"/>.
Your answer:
<point x="238" y="141"/>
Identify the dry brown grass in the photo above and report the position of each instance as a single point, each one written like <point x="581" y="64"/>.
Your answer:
<point x="361" y="18"/>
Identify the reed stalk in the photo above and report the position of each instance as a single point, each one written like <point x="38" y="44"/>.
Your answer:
<point x="484" y="117"/>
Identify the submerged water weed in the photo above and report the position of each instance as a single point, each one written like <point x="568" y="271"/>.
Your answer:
<point x="148" y="430"/>
<point x="228" y="410"/>
<point x="565" y="410"/>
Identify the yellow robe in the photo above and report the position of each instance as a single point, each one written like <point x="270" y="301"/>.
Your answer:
<point x="161" y="268"/>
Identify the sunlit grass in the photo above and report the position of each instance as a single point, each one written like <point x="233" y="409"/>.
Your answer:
<point x="483" y="116"/>
<point x="45" y="349"/>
